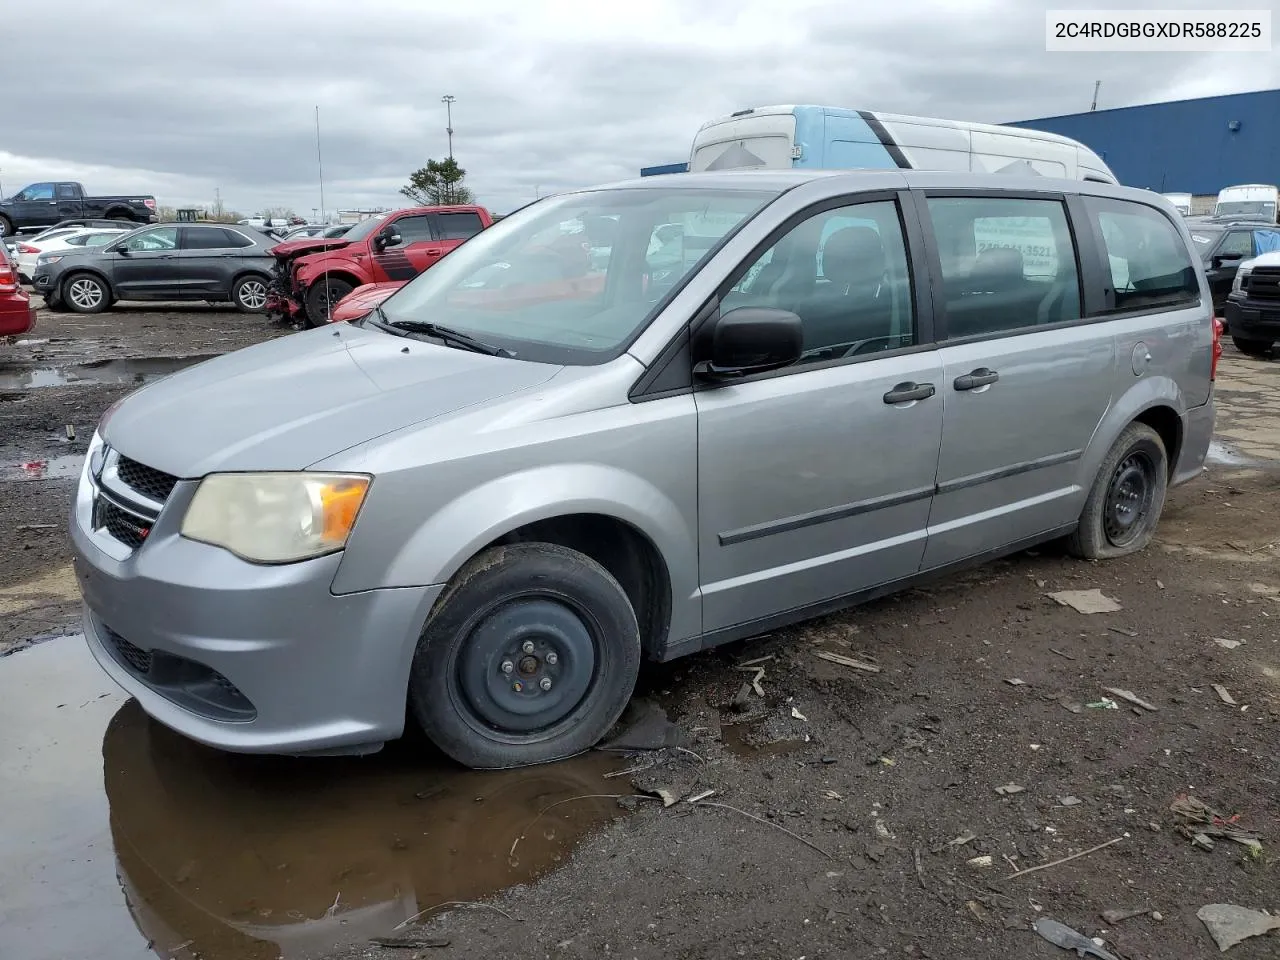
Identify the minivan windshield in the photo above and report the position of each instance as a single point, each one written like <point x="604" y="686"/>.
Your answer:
<point x="573" y="278"/>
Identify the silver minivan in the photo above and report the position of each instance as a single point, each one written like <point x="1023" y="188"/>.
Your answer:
<point x="558" y="452"/>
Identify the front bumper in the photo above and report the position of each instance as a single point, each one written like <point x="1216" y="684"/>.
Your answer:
<point x="247" y="658"/>
<point x="1253" y="319"/>
<point x="284" y="301"/>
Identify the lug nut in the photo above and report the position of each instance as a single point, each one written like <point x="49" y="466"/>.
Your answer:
<point x="552" y="659"/>
<point x="507" y="666"/>
<point x="517" y="686"/>
<point x="545" y="683"/>
<point x="527" y="646"/>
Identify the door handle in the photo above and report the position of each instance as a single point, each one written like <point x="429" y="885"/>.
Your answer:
<point x="432" y="253"/>
<point x="981" y="377"/>
<point x="908" y="392"/>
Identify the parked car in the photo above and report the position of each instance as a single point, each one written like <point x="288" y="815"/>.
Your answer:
<point x="79" y="223"/>
<point x="312" y="275"/>
<point x="44" y="204"/>
<point x="1224" y="244"/>
<point x="17" y="315"/>
<point x="360" y="301"/>
<point x="71" y="239"/>
<point x="177" y="261"/>
<point x="482" y="514"/>
<point x="325" y="230"/>
<point x="1253" y="308"/>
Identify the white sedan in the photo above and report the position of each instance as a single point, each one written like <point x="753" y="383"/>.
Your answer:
<point x="71" y="238"/>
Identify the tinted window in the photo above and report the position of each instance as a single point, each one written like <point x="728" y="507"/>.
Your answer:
<point x="413" y="229"/>
<point x="67" y="191"/>
<point x="844" y="273"/>
<point x="205" y="238"/>
<point x="1150" y="265"/>
<point x="236" y="240"/>
<point x="38" y="191"/>
<point x="1007" y="264"/>
<point x="99" y="239"/>
<point x="161" y="238"/>
<point x="1237" y="243"/>
<point x="459" y="226"/>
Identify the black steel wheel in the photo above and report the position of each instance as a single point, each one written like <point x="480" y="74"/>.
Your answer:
<point x="1124" y="504"/>
<point x="323" y="296"/>
<point x="530" y="656"/>
<point x="1129" y="499"/>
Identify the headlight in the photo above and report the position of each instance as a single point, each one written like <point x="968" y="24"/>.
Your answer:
<point x="1237" y="285"/>
<point x="96" y="454"/>
<point x="276" y="517"/>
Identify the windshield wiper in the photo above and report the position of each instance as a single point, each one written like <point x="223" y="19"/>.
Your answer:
<point x="454" y="338"/>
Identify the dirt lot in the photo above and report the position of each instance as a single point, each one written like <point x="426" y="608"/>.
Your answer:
<point x="842" y="796"/>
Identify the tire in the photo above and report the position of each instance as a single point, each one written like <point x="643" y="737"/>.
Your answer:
<point x="1253" y="348"/>
<point x="321" y="296"/>
<point x="250" y="293"/>
<point x="1133" y="477"/>
<point x="586" y="646"/>
<point x="77" y="293"/>
<point x="6" y="227"/>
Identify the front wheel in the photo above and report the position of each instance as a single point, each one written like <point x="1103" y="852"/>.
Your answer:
<point x="1126" y="499"/>
<point x="86" y="293"/>
<point x="6" y="227"/>
<point x="322" y="297"/>
<point x="531" y="656"/>
<point x="1253" y="348"/>
<point x="250" y="294"/>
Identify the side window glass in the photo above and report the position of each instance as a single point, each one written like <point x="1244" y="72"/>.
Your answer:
<point x="205" y="238"/>
<point x="1238" y="243"/>
<point x="234" y="241"/>
<point x="1150" y="264"/>
<point x="413" y="229"/>
<point x="67" y="192"/>
<point x="459" y="226"/>
<point x="844" y="272"/>
<point x="38" y="191"/>
<point x="163" y="238"/>
<point x="1007" y="263"/>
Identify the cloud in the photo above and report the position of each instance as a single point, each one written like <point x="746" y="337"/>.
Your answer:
<point x="182" y="99"/>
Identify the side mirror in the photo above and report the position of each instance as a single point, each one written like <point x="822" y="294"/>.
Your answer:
<point x="389" y="238"/>
<point x="1221" y="258"/>
<point x="752" y="340"/>
<point x="118" y="248"/>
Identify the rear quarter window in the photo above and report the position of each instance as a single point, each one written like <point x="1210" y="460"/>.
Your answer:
<point x="1149" y="264"/>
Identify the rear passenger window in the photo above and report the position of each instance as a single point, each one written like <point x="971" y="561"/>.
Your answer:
<point x="1149" y="262"/>
<point x="1007" y="264"/>
<point x="459" y="226"/>
<point x="844" y="273"/>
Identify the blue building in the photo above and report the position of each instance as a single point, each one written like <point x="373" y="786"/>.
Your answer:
<point x="1183" y="146"/>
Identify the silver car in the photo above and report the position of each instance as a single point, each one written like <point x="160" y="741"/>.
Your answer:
<point x="480" y="506"/>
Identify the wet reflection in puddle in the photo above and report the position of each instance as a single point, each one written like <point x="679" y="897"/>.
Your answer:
<point x="21" y="376"/>
<point x="66" y="467"/>
<point x="136" y="843"/>
<point x="237" y="857"/>
<point x="1225" y="455"/>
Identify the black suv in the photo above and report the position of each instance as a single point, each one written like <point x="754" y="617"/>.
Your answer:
<point x="1223" y="244"/>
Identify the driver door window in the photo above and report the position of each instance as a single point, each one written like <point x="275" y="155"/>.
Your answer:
<point x="844" y="272"/>
<point x="37" y="191"/>
<point x="162" y="238"/>
<point x="1238" y="243"/>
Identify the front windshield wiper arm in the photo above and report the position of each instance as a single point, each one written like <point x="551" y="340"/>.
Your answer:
<point x="452" y="337"/>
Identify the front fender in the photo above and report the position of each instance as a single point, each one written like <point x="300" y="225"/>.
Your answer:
<point x="437" y="549"/>
<point x="307" y="270"/>
<point x="1141" y="396"/>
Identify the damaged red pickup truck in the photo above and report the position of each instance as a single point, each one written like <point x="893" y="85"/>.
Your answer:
<point x="314" y="274"/>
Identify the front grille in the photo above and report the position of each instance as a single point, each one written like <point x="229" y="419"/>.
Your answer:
<point x="151" y="483"/>
<point x="135" y="658"/>
<point x="1263" y="284"/>
<point x="130" y="530"/>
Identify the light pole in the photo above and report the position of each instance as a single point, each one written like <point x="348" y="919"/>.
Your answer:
<point x="447" y="100"/>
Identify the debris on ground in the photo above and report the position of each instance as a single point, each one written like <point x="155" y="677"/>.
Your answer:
<point x="645" y="727"/>
<point x="409" y="943"/>
<point x="1201" y="824"/>
<point x="1060" y="935"/>
<point x="982" y="862"/>
<point x="1015" y="682"/>
<point x="967" y="837"/>
<point x="1106" y="703"/>
<point x="1227" y="644"/>
<point x="1071" y="705"/>
<point x="1229" y="924"/>
<point x="1086" y="601"/>
<point x="797" y="715"/>
<point x="1130" y="697"/>
<point x="1068" y="859"/>
<point x="1223" y="695"/>
<point x="846" y="661"/>
<point x="1114" y="917"/>
<point x="1009" y="789"/>
<point x="1069" y="801"/>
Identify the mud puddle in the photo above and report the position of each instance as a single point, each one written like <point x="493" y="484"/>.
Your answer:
<point x="29" y="376"/>
<point x="165" y="848"/>
<point x="66" y="467"/>
<point x="1226" y="455"/>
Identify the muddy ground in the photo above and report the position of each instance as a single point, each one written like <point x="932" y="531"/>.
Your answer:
<point x="841" y="797"/>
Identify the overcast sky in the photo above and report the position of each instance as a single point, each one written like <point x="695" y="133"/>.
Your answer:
<point x="182" y="98"/>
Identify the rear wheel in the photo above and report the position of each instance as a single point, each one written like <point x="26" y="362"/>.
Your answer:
<point x="322" y="297"/>
<point x="531" y="656"/>
<point x="250" y="294"/>
<point x="86" y="293"/>
<point x="6" y="227"/>
<point x="1254" y="348"/>
<point x="1126" y="499"/>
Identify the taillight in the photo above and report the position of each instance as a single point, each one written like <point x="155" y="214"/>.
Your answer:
<point x="151" y="204"/>
<point x="1217" y="348"/>
<point x="27" y="248"/>
<point x="8" y="281"/>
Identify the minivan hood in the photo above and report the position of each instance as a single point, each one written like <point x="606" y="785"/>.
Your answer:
<point x="287" y="403"/>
